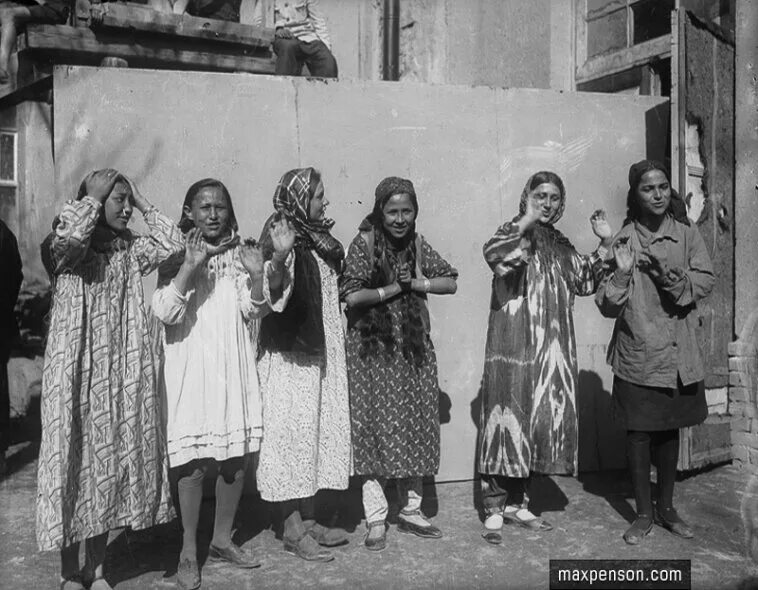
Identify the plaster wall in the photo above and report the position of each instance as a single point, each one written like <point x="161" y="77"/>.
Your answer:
<point x="468" y="150"/>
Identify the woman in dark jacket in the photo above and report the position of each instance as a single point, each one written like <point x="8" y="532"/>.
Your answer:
<point x="661" y="269"/>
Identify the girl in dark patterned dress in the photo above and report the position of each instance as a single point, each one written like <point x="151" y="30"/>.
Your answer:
<point x="392" y="368"/>
<point x="528" y="420"/>
<point x="661" y="270"/>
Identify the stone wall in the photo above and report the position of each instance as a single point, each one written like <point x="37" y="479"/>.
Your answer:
<point x="743" y="385"/>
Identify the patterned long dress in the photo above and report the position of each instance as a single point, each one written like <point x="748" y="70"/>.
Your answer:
<point x="306" y="421"/>
<point x="102" y="462"/>
<point x="394" y="406"/>
<point x="528" y="419"/>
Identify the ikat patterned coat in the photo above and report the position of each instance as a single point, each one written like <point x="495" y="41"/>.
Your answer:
<point x="528" y="417"/>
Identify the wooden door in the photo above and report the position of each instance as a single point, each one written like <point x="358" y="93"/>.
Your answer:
<point x="702" y="162"/>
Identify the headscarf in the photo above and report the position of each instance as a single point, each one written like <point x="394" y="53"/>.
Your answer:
<point x="375" y="323"/>
<point x="548" y="241"/>
<point x="677" y="207"/>
<point x="292" y="198"/>
<point x="300" y="327"/>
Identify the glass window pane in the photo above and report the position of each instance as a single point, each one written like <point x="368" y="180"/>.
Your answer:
<point x="7" y="157"/>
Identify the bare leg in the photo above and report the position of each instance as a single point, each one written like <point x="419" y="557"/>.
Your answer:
<point x="10" y="19"/>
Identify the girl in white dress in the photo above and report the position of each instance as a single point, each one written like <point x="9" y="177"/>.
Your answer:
<point x="210" y="302"/>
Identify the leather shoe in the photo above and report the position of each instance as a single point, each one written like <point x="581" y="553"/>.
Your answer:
<point x="188" y="575"/>
<point x="535" y="523"/>
<point x="306" y="548"/>
<point x="492" y="537"/>
<point x="328" y="537"/>
<point x="641" y="526"/>
<point x="428" y="531"/>
<point x="376" y="543"/>
<point x="234" y="555"/>
<point x="671" y="521"/>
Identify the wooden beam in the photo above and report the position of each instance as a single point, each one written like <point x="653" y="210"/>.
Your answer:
<point x="624" y="59"/>
<point x="38" y="90"/>
<point x="63" y="43"/>
<point x="137" y="17"/>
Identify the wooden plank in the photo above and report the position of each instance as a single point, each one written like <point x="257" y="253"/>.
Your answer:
<point x="624" y="59"/>
<point x="137" y="17"/>
<point x="37" y="90"/>
<point x="63" y="43"/>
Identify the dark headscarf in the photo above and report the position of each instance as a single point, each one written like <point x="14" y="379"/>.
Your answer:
<point x="300" y="327"/>
<point x="375" y="322"/>
<point x="677" y="207"/>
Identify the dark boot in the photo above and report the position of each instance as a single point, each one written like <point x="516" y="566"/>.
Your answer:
<point x="667" y="455"/>
<point x="638" y="456"/>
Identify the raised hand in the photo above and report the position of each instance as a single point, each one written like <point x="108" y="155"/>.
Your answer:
<point x="622" y="252"/>
<point x="140" y="202"/>
<point x="600" y="226"/>
<point x="195" y="249"/>
<point x="282" y="237"/>
<point x="532" y="213"/>
<point x="654" y="261"/>
<point x="251" y="257"/>
<point x="100" y="183"/>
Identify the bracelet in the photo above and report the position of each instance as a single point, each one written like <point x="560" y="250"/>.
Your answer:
<point x="382" y="293"/>
<point x="427" y="285"/>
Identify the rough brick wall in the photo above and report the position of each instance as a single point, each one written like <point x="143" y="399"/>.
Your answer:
<point x="743" y="395"/>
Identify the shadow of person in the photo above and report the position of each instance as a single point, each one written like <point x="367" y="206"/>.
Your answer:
<point x="476" y="488"/>
<point x="602" y="440"/>
<point x="445" y="405"/>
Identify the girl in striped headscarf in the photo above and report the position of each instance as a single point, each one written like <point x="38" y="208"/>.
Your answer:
<point x="303" y="375"/>
<point x="528" y="421"/>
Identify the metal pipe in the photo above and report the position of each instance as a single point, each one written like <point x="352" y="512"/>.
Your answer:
<point x="391" y="45"/>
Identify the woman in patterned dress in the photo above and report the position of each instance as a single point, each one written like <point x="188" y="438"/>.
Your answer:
<point x="306" y="421"/>
<point x="528" y="419"/>
<point x="102" y="462"/>
<point x="394" y="393"/>
<point x="210" y="300"/>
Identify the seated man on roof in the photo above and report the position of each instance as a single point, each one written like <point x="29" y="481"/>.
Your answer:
<point x="301" y="38"/>
<point x="21" y="12"/>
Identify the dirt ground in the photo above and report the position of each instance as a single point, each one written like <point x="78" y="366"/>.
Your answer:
<point x="589" y="515"/>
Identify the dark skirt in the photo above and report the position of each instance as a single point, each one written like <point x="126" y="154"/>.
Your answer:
<point x="659" y="408"/>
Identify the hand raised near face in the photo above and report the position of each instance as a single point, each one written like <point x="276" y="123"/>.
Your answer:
<point x="195" y="249"/>
<point x="600" y="226"/>
<point x="140" y="202"/>
<point x="282" y="237"/>
<point x="100" y="183"/>
<point x="251" y="257"/>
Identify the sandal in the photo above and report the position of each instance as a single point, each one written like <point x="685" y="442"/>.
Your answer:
<point x="535" y="523"/>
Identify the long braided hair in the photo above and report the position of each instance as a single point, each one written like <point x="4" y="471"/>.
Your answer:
<point x="375" y="324"/>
